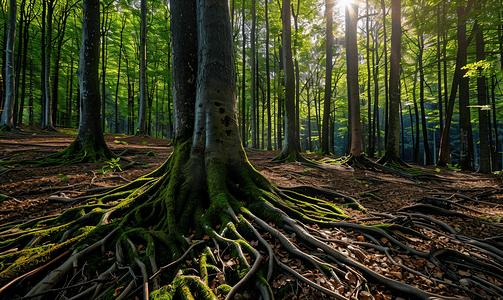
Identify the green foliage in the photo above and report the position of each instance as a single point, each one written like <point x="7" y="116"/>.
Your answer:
<point x="110" y="166"/>
<point x="453" y="167"/>
<point x="145" y="143"/>
<point x="3" y="198"/>
<point x="120" y="142"/>
<point x="63" y="176"/>
<point x="144" y="166"/>
<point x="151" y="153"/>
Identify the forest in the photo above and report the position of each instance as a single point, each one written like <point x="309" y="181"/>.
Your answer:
<point x="251" y="149"/>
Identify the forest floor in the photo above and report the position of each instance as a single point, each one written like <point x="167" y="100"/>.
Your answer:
<point x="478" y="198"/>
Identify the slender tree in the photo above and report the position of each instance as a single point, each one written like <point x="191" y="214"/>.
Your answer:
<point x="354" y="93"/>
<point x="268" y="74"/>
<point x="253" y="78"/>
<point x="290" y="151"/>
<point x="142" y="113"/>
<point x="392" y="154"/>
<point x="7" y="119"/>
<point x="329" y="5"/>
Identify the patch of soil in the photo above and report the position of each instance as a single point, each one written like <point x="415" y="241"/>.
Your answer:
<point x="475" y="209"/>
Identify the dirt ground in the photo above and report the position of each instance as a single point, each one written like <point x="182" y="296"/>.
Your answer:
<point x="478" y="199"/>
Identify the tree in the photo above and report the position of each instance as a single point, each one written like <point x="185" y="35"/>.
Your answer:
<point x="7" y="119"/>
<point x="290" y="151"/>
<point x="352" y="79"/>
<point x="329" y="5"/>
<point x="391" y="154"/>
<point x="253" y="78"/>
<point x="142" y="113"/>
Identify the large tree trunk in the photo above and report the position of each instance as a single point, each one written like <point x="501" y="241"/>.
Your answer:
<point x="329" y="5"/>
<point x="7" y="119"/>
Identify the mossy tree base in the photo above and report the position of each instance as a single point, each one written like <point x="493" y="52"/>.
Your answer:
<point x="92" y="150"/>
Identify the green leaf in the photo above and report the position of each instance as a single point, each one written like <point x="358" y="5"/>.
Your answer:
<point x="437" y="170"/>
<point x="145" y="166"/>
<point x="457" y="229"/>
<point x="145" y="143"/>
<point x="3" y="197"/>
<point x="150" y="153"/>
<point x="63" y="176"/>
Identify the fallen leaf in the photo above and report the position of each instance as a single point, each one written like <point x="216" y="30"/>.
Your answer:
<point x="351" y="278"/>
<point x="118" y="291"/>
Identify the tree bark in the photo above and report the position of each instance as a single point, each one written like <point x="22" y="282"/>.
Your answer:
<point x="466" y="155"/>
<point x="142" y="113"/>
<point x="329" y="5"/>
<point x="426" y="145"/>
<point x="253" y="87"/>
<point x="393" y="129"/>
<point x="268" y="74"/>
<point x="7" y="119"/>
<point x="354" y="94"/>
<point x="485" y="150"/>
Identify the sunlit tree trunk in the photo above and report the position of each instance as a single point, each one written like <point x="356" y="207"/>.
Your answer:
<point x="354" y="94"/>
<point x="386" y="82"/>
<point x="243" y="81"/>
<point x="426" y="145"/>
<point x="268" y="74"/>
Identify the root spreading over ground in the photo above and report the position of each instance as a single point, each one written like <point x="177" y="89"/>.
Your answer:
<point x="204" y="230"/>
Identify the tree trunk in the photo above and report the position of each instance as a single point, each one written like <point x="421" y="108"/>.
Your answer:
<point x="253" y="87"/>
<point x="90" y="140"/>
<point x="392" y="154"/>
<point x="268" y="74"/>
<point x="329" y="5"/>
<point x="485" y="149"/>
<point x="7" y="119"/>
<point x="466" y="155"/>
<point x="354" y="94"/>
<point x="48" y="103"/>
<point x="243" y="81"/>
<point x="142" y="113"/>
<point x="18" y="106"/>
<point x="439" y="74"/>
<point x="290" y="151"/>
<point x="421" y="102"/>
<point x="386" y="82"/>
<point x="370" y="148"/>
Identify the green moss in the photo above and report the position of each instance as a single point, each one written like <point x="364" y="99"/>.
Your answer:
<point x="223" y="290"/>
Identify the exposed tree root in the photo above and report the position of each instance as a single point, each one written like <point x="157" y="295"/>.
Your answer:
<point x="149" y="232"/>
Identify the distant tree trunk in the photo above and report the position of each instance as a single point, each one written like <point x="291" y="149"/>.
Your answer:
<point x="104" y="42"/>
<point x="485" y="150"/>
<point x="18" y="106"/>
<point x="354" y="94"/>
<point x="496" y="149"/>
<point x="393" y="137"/>
<point x="376" y="127"/>
<point x="26" y="37"/>
<point x="252" y="79"/>
<point x="142" y="112"/>
<point x="48" y="107"/>
<point x="466" y="155"/>
<point x="329" y="5"/>
<point x="308" y="102"/>
<point x="439" y="74"/>
<point x="30" y="96"/>
<point x="370" y="148"/>
<point x="426" y="145"/>
<point x="290" y="151"/>
<point x="281" y="82"/>
<point x="119" y="76"/>
<point x="297" y="72"/>
<point x="269" y="123"/>
<point x="90" y="137"/>
<point x="415" y="157"/>
<point x="386" y="82"/>
<point x="243" y="83"/>
<point x="7" y="119"/>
